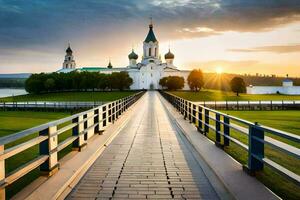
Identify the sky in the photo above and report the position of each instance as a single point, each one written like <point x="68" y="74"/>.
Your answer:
<point x="236" y="36"/>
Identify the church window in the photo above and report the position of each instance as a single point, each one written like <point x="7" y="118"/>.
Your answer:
<point x="149" y="51"/>
<point x="155" y="52"/>
<point x="69" y="58"/>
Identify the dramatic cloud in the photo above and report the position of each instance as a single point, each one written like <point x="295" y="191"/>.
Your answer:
<point x="101" y="27"/>
<point x="272" y="49"/>
<point x="34" y="21"/>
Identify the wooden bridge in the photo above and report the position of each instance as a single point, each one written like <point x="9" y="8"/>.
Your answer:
<point x="141" y="147"/>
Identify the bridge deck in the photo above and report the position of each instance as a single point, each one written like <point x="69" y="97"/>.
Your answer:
<point x="147" y="159"/>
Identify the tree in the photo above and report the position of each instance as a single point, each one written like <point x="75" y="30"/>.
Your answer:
<point x="50" y="84"/>
<point x="163" y="82"/>
<point x="238" y="85"/>
<point x="172" y="82"/>
<point x="124" y="81"/>
<point x="38" y="83"/>
<point x="195" y="80"/>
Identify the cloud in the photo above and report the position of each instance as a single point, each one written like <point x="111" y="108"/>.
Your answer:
<point x="52" y="21"/>
<point x="272" y="49"/>
<point x="95" y="25"/>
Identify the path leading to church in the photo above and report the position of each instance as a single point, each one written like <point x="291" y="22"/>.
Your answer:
<point x="147" y="160"/>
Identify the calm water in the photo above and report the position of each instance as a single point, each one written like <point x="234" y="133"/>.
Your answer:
<point x="11" y="92"/>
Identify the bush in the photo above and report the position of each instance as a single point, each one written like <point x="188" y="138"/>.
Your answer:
<point x="172" y="82"/>
<point x="38" y="83"/>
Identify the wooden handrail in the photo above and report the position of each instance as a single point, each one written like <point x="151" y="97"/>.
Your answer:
<point x="83" y="125"/>
<point x="201" y="116"/>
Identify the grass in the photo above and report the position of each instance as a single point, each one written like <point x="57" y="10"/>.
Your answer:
<point x="15" y="121"/>
<point x="280" y="119"/>
<point x="70" y="96"/>
<point x="218" y="95"/>
<point x="283" y="120"/>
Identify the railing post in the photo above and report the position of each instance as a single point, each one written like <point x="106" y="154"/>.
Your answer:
<point x="109" y="113"/>
<point x="218" y="129"/>
<point x="89" y="123"/>
<point x="200" y="127"/>
<point x="2" y="174"/>
<point x="194" y="113"/>
<point x="120" y="106"/>
<point x="104" y="116"/>
<point x="49" y="147"/>
<point x="79" y="143"/>
<point x="206" y="120"/>
<point x="226" y="130"/>
<point x="185" y="109"/>
<point x="190" y="111"/>
<point x="256" y="149"/>
<point x="98" y="119"/>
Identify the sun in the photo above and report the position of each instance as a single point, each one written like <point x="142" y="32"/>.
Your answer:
<point x="219" y="70"/>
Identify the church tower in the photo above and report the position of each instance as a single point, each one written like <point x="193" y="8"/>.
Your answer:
<point x="151" y="46"/>
<point x="69" y="62"/>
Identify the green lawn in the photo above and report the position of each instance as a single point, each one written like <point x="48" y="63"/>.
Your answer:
<point x="15" y="121"/>
<point x="284" y="120"/>
<point x="70" y="96"/>
<point x="217" y="95"/>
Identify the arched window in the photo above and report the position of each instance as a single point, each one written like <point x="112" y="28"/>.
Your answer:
<point x="149" y="51"/>
<point x="69" y="58"/>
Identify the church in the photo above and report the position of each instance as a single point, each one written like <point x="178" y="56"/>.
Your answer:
<point x="146" y="73"/>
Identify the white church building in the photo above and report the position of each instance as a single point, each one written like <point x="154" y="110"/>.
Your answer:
<point x="146" y="73"/>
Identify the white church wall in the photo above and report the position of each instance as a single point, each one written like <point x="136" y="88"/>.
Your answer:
<point x="294" y="90"/>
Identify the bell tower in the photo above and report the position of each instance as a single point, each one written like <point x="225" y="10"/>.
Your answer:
<point x="151" y="45"/>
<point x="69" y="62"/>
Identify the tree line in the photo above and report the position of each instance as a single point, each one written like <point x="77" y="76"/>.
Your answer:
<point x="195" y="81"/>
<point x="12" y="82"/>
<point x="74" y="81"/>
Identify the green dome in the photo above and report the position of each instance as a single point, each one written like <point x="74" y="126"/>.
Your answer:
<point x="69" y="50"/>
<point x="150" y="37"/>
<point x="169" y="55"/>
<point x="133" y="55"/>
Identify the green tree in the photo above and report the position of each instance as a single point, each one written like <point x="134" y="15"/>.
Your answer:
<point x="238" y="85"/>
<point x="38" y="83"/>
<point x="125" y="81"/>
<point x="163" y="82"/>
<point x="50" y="84"/>
<point x="195" y="80"/>
<point x="172" y="82"/>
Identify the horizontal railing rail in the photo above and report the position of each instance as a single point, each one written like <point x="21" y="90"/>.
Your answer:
<point x="49" y="104"/>
<point x="224" y="124"/>
<point x="82" y="125"/>
<point x="252" y="105"/>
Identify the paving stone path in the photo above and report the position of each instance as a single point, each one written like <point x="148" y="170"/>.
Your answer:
<point x="147" y="160"/>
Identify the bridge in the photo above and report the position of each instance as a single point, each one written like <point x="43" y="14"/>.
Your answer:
<point x="146" y="146"/>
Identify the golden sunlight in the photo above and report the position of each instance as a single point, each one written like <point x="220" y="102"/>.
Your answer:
<point x="219" y="70"/>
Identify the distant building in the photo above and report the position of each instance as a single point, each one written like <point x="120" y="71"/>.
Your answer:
<point x="145" y="74"/>
<point x="69" y="62"/>
<point x="286" y="88"/>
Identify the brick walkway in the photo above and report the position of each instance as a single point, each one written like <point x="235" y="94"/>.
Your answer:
<point x="148" y="159"/>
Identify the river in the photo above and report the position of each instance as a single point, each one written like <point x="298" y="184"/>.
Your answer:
<point x="7" y="92"/>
